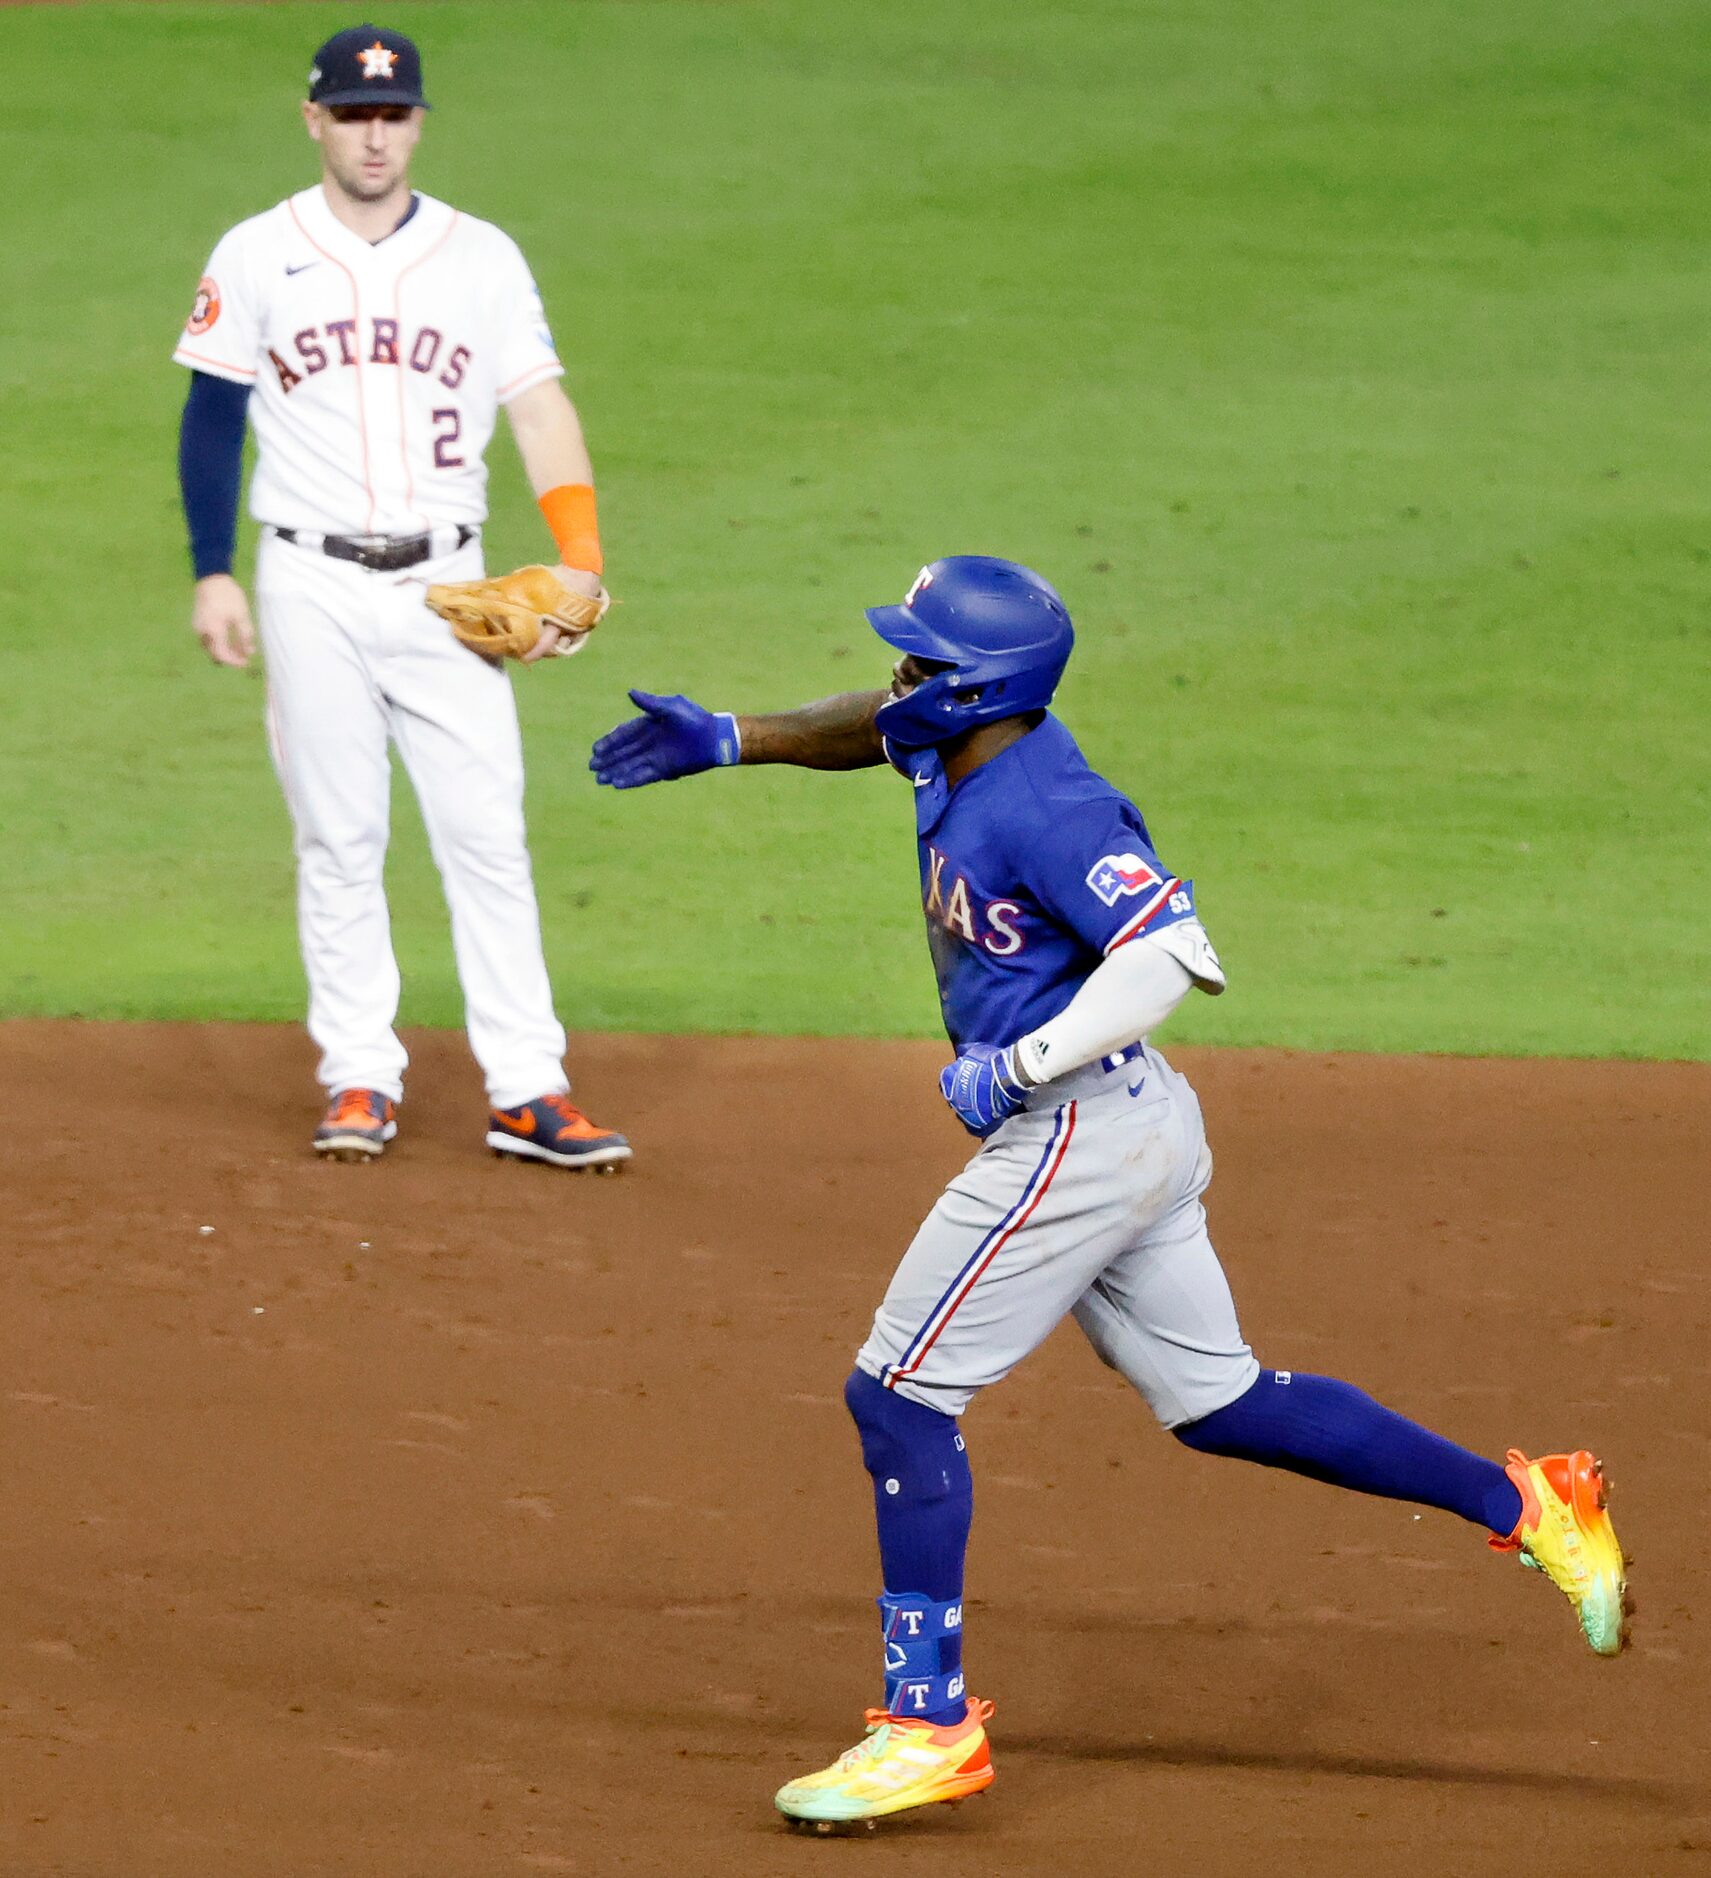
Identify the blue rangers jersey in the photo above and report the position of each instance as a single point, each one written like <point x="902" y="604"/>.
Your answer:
<point x="1033" y="869"/>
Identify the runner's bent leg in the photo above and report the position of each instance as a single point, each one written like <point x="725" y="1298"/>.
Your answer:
<point x="1332" y="1431"/>
<point x="1155" y="1311"/>
<point x="1012" y="1244"/>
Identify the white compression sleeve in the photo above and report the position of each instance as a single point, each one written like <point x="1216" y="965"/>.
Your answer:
<point x="1126" y="994"/>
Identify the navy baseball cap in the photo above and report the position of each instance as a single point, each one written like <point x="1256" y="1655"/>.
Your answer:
<point x="367" y="65"/>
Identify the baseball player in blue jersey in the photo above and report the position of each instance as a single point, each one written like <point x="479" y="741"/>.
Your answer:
<point x="1060" y="940"/>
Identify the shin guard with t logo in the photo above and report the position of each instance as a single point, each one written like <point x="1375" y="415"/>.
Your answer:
<point x="923" y="1655"/>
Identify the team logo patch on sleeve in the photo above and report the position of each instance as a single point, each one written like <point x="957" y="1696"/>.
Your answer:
<point x="206" y="308"/>
<point x="1115" y="875"/>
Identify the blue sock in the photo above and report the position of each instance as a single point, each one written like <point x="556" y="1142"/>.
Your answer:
<point x="923" y="1503"/>
<point x="1334" y="1432"/>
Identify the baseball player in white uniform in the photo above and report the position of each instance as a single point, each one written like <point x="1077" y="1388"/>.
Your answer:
<point x="373" y="334"/>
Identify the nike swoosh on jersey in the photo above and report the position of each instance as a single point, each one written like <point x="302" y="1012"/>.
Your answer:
<point x="302" y="266"/>
<point x="922" y="782"/>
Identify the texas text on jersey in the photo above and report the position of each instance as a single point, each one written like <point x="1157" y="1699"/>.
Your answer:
<point x="1032" y="870"/>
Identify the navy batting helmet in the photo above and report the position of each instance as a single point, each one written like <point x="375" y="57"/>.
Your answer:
<point x="1001" y="630"/>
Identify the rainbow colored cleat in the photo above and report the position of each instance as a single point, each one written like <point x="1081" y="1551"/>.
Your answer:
<point x="1565" y="1532"/>
<point x="900" y="1764"/>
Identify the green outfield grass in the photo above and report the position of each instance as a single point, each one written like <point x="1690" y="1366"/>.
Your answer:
<point x="1345" y="364"/>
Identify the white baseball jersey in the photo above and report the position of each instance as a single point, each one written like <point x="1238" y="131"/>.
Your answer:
<point x="378" y="368"/>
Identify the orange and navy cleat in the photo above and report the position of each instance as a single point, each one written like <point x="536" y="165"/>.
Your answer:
<point x="901" y="1764"/>
<point x="357" y="1125"/>
<point x="1565" y="1532"/>
<point x="553" y="1129"/>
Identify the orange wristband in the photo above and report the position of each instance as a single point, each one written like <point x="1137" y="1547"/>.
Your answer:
<point x="569" y="510"/>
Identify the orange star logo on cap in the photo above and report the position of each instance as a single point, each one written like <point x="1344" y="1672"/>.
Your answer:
<point x="377" y="60"/>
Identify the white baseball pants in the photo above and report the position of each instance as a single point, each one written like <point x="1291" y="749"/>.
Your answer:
<point x="354" y="659"/>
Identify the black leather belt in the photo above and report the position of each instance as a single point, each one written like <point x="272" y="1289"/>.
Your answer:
<point x="381" y="554"/>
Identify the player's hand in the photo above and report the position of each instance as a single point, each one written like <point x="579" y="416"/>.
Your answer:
<point x="673" y="737"/>
<point x="575" y="580"/>
<point x="982" y="1086"/>
<point x="220" y="618"/>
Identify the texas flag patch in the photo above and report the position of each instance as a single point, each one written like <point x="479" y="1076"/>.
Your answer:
<point x="1115" y="875"/>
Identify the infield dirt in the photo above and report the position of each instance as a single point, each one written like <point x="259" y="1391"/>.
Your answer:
<point x="451" y="1517"/>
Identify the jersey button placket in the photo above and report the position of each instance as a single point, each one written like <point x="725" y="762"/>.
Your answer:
<point x="354" y="275"/>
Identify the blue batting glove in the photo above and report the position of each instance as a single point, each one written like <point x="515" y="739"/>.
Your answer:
<point x="982" y="1086"/>
<point x="673" y="737"/>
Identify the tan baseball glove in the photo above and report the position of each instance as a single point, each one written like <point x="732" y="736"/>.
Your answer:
<point x="503" y="617"/>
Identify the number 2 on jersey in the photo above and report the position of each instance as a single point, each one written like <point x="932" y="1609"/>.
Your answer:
<point x="448" y="428"/>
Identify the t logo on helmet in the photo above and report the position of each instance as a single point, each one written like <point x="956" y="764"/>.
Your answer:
<point x="992" y="633"/>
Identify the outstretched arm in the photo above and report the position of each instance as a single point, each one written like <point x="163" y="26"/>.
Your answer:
<point x="677" y="737"/>
<point x="834" y="733"/>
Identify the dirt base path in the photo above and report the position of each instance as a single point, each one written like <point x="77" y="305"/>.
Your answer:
<point x="448" y="1517"/>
